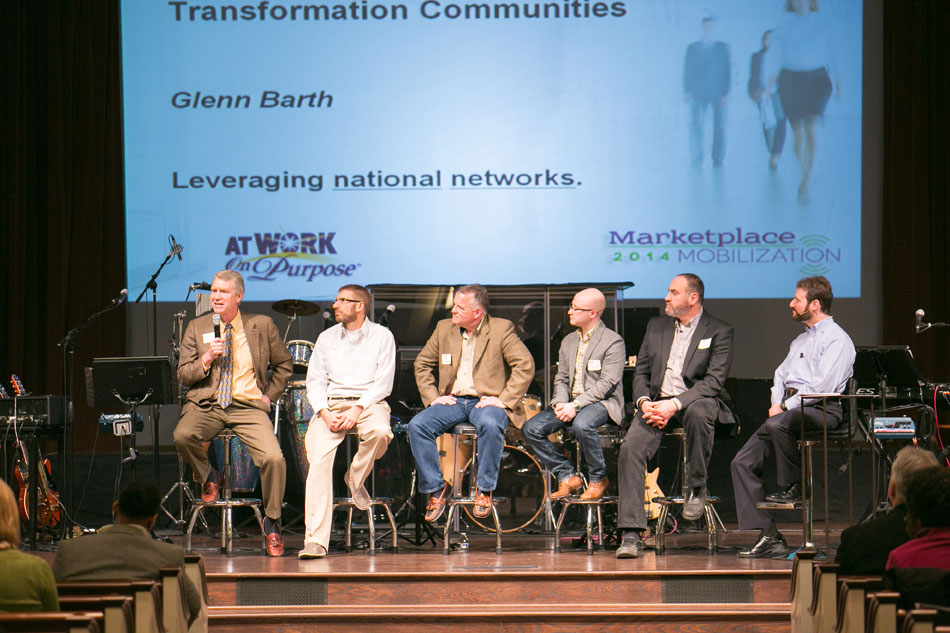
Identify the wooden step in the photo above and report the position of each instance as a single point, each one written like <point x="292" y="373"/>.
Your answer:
<point x="436" y="618"/>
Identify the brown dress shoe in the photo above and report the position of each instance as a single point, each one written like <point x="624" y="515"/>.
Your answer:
<point x="436" y="505"/>
<point x="482" y="505"/>
<point x="567" y="487"/>
<point x="596" y="489"/>
<point x="209" y="492"/>
<point x="275" y="545"/>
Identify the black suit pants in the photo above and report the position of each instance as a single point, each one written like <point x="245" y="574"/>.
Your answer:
<point x="642" y="442"/>
<point x="778" y="435"/>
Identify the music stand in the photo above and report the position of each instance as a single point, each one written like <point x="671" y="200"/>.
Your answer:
<point x="132" y="382"/>
<point x="879" y="367"/>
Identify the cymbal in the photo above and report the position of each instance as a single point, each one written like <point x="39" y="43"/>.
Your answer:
<point x="291" y="307"/>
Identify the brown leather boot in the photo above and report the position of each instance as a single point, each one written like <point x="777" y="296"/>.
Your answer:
<point x="569" y="486"/>
<point x="596" y="489"/>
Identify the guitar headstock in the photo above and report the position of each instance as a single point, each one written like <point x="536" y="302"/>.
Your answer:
<point x="18" y="388"/>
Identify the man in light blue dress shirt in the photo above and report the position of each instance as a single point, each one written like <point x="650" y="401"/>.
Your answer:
<point x="819" y="360"/>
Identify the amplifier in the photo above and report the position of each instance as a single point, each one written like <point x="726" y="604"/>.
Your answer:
<point x="33" y="410"/>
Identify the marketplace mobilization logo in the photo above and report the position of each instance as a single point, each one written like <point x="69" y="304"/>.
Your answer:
<point x="815" y="254"/>
<point x="303" y="256"/>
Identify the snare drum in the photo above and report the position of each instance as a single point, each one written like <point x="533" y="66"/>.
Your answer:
<point x="300" y="352"/>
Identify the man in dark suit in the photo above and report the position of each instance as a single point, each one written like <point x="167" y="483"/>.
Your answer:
<point x="124" y="550"/>
<point x="475" y="369"/>
<point x="706" y="77"/>
<point x="587" y="393"/>
<point x="679" y="378"/>
<point x="865" y="547"/>
<point x="225" y="366"/>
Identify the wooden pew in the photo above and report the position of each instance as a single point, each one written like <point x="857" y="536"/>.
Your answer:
<point x="47" y="622"/>
<point x="802" y="590"/>
<point x="824" y="605"/>
<point x="195" y="570"/>
<point x="881" y="614"/>
<point x="918" y="621"/>
<point x="851" y="607"/>
<point x="146" y="598"/>
<point x="118" y="615"/>
<point x="174" y="600"/>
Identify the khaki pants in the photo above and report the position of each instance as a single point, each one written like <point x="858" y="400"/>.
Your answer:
<point x="374" y="431"/>
<point x="201" y="424"/>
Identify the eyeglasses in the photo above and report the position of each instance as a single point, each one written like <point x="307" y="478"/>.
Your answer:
<point x="345" y="300"/>
<point x="575" y="308"/>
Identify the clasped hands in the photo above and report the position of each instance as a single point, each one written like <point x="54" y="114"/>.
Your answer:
<point x="658" y="414"/>
<point x="338" y="422"/>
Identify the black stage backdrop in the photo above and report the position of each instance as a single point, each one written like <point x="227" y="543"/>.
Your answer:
<point x="62" y="219"/>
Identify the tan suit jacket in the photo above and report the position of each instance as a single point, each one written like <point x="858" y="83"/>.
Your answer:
<point x="502" y="365"/>
<point x="267" y="349"/>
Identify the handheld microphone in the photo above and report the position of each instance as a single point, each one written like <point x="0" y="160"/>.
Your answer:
<point x="384" y="317"/>
<point x="176" y="247"/>
<point x="216" y="319"/>
<point x="918" y="320"/>
<point x="122" y="296"/>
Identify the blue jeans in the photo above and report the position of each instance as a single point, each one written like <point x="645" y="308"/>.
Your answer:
<point x="584" y="424"/>
<point x="437" y="419"/>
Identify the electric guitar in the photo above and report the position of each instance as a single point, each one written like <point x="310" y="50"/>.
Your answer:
<point x="47" y="499"/>
<point x="651" y="491"/>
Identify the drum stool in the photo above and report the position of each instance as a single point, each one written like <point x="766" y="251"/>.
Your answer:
<point x="714" y="524"/>
<point x="226" y="503"/>
<point x="590" y="504"/>
<point x="349" y="504"/>
<point x="465" y="431"/>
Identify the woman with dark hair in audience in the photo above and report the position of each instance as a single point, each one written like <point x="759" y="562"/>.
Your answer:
<point x="26" y="581"/>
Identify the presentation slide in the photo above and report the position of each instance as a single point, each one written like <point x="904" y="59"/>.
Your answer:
<point x="501" y="142"/>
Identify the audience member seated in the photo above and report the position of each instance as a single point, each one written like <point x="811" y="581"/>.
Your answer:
<point x="26" y="581"/>
<point x="865" y="547"/>
<point x="125" y="551"/>
<point x="928" y="522"/>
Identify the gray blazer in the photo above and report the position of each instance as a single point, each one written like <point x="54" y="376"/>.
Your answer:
<point x="601" y="385"/>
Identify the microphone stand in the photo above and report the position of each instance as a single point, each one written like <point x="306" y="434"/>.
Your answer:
<point x="69" y="360"/>
<point x="153" y="285"/>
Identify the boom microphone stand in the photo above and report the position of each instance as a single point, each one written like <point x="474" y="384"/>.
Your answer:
<point x="152" y="284"/>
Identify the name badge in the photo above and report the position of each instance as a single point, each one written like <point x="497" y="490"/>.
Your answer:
<point x="704" y="343"/>
<point x="207" y="338"/>
<point x="593" y="364"/>
<point x="446" y="359"/>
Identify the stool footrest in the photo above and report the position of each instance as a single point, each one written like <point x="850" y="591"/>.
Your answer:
<point x="666" y="501"/>
<point x="771" y="505"/>
<point x="576" y="500"/>
<point x="470" y="501"/>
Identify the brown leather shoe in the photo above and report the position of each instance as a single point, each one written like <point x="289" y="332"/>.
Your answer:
<point x="596" y="489"/>
<point x="482" y="505"/>
<point x="567" y="487"/>
<point x="275" y="545"/>
<point x="209" y="492"/>
<point x="436" y="505"/>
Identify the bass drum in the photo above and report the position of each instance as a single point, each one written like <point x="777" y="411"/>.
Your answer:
<point x="521" y="481"/>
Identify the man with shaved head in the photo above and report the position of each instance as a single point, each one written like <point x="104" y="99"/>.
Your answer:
<point x="587" y="393"/>
<point x="679" y="380"/>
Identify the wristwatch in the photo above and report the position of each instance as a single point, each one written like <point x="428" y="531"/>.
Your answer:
<point x="782" y="406"/>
